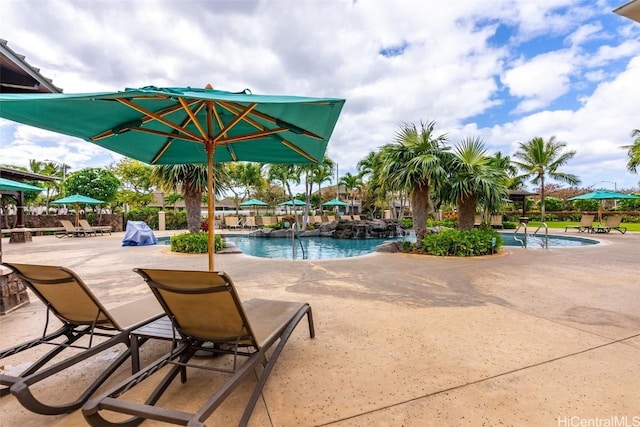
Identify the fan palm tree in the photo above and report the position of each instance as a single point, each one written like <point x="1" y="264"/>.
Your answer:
<point x="474" y="179"/>
<point x="634" y="152"/>
<point x="414" y="164"/>
<point x="191" y="181"/>
<point x="538" y="159"/>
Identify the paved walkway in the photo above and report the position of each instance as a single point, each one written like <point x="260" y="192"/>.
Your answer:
<point x="526" y="337"/>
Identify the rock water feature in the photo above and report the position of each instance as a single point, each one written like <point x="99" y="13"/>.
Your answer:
<point x="343" y="229"/>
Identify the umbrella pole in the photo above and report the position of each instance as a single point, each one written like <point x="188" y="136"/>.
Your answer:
<point x="210" y="204"/>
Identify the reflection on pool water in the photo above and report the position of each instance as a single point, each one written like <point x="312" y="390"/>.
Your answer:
<point x="328" y="248"/>
<point x="314" y="247"/>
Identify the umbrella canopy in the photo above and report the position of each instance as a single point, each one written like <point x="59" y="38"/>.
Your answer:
<point x="603" y="195"/>
<point x="11" y="185"/>
<point x="77" y="199"/>
<point x="335" y="202"/>
<point x="187" y="125"/>
<point x="296" y="202"/>
<point x="253" y="202"/>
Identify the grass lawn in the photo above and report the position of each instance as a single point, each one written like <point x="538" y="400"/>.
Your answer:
<point x="631" y="226"/>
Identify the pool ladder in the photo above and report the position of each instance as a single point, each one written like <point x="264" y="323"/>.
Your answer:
<point x="523" y="242"/>
<point x="295" y="235"/>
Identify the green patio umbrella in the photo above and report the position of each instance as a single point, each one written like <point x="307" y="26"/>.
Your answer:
<point x="11" y="185"/>
<point x="335" y="202"/>
<point x="77" y="200"/>
<point x="296" y="202"/>
<point x="187" y="125"/>
<point x="603" y="195"/>
<point x="254" y="203"/>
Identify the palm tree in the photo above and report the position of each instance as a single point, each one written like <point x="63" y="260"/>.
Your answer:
<point x="539" y="159"/>
<point x="474" y="179"/>
<point x="414" y="164"/>
<point x="191" y="180"/>
<point x="322" y="173"/>
<point x="351" y="182"/>
<point x="634" y="152"/>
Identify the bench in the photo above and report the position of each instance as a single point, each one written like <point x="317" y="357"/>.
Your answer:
<point x="36" y="231"/>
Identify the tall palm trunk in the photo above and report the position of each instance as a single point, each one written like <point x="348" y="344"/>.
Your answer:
<point x="420" y="203"/>
<point x="193" y="205"/>
<point x="466" y="212"/>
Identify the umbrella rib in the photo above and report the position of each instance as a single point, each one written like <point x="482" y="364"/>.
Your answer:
<point x="234" y="122"/>
<point x="158" y="118"/>
<point x="299" y="151"/>
<point x="234" y="108"/>
<point x="192" y="116"/>
<point x="144" y="120"/>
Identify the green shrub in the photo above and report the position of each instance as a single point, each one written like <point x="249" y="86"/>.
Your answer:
<point x="453" y="242"/>
<point x="148" y="215"/>
<point x="176" y="220"/>
<point x="194" y="243"/>
<point x="508" y="225"/>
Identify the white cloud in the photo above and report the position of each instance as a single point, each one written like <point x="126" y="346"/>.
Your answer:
<point x="451" y="69"/>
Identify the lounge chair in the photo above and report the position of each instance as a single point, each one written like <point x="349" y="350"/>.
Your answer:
<point x="94" y="228"/>
<point x="477" y="220"/>
<point x="88" y="329"/>
<point x="586" y="224"/>
<point x="232" y="222"/>
<point x="496" y="221"/>
<point x="611" y="223"/>
<point x="355" y="217"/>
<point x="250" y="222"/>
<point x="204" y="308"/>
<point x="69" y="230"/>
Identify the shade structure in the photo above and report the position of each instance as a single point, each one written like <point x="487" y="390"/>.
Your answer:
<point x="293" y="202"/>
<point x="187" y="125"/>
<point x="603" y="195"/>
<point x="77" y="200"/>
<point x="255" y="203"/>
<point x="11" y="185"/>
<point x="335" y="202"/>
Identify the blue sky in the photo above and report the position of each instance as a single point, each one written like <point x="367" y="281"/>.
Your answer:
<point x="503" y="70"/>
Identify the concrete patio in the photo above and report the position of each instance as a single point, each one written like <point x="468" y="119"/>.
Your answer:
<point x="525" y="337"/>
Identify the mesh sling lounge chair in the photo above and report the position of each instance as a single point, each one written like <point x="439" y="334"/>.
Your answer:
<point x="586" y="224"/>
<point x="69" y="230"/>
<point x="204" y="308"/>
<point x="610" y="223"/>
<point x="94" y="229"/>
<point x="88" y="329"/>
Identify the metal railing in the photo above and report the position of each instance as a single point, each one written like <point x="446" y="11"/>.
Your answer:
<point x="515" y="235"/>
<point x="545" y="244"/>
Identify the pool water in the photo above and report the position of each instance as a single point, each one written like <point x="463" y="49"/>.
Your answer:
<point x="554" y="241"/>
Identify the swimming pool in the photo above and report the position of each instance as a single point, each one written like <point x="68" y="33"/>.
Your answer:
<point x="328" y="248"/>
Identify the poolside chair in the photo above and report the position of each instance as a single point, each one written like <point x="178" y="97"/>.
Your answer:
<point x="86" y="227"/>
<point x="94" y="228"/>
<point x="586" y="224"/>
<point x="611" y="223"/>
<point x="204" y="308"/>
<point x="69" y="230"/>
<point x="232" y="222"/>
<point x="496" y="221"/>
<point x="88" y="329"/>
<point x="356" y="217"/>
<point x="250" y="222"/>
<point x="477" y="221"/>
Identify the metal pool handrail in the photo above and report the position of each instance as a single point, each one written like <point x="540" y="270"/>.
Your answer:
<point x="515" y="235"/>
<point x="546" y="234"/>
